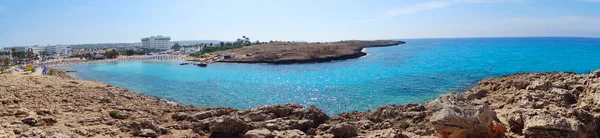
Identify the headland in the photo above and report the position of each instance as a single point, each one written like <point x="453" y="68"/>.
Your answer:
<point x="293" y="52"/>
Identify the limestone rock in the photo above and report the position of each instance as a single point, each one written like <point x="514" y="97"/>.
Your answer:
<point x="148" y="133"/>
<point x="344" y="130"/>
<point x="259" y="133"/>
<point x="453" y="114"/>
<point x="228" y="125"/>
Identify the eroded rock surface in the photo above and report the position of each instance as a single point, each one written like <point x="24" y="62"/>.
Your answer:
<point x="520" y="105"/>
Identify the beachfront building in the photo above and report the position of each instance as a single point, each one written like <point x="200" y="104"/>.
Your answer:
<point x="5" y="54"/>
<point x="192" y="49"/>
<point x="37" y="49"/>
<point x="59" y="51"/>
<point x="157" y="43"/>
<point x="17" y="48"/>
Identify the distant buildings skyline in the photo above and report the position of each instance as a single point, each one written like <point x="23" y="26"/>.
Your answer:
<point x="159" y="42"/>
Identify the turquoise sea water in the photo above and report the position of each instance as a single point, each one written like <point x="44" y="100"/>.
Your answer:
<point x="415" y="72"/>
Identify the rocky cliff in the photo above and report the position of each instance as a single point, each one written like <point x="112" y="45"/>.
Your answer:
<point x="520" y="105"/>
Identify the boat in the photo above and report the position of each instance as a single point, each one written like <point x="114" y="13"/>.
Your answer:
<point x="184" y="63"/>
<point x="203" y="64"/>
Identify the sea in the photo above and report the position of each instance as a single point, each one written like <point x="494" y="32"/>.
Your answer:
<point x="415" y="72"/>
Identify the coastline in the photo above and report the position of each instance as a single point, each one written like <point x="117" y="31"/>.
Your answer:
<point x="333" y="52"/>
<point x="492" y="109"/>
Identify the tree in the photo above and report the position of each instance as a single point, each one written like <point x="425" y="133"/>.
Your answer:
<point x="239" y="41"/>
<point x="129" y="52"/>
<point x="88" y="56"/>
<point x="176" y="47"/>
<point x="257" y="42"/>
<point x="221" y="43"/>
<point x="211" y="44"/>
<point x="246" y="41"/>
<point x="111" y="54"/>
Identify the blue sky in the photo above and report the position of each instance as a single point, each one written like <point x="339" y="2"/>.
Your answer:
<point x="43" y="22"/>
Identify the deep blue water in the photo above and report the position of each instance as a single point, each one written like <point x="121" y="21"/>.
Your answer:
<point x="415" y="72"/>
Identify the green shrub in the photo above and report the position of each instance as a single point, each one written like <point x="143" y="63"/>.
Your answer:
<point x="404" y="125"/>
<point x="114" y="113"/>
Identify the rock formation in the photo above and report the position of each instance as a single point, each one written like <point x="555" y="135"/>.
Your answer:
<point x="519" y="105"/>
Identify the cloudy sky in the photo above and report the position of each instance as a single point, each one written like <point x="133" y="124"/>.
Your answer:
<point x="45" y="22"/>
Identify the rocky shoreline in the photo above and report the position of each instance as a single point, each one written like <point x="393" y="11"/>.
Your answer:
<point x="293" y="53"/>
<point x="520" y="105"/>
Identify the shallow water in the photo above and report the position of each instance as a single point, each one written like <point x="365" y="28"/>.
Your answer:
<point x="415" y="72"/>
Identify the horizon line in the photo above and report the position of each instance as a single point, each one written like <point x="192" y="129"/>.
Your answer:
<point x="337" y="40"/>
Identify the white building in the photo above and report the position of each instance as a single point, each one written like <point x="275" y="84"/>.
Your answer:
<point x="5" y="54"/>
<point x="159" y="43"/>
<point x="37" y="49"/>
<point x="17" y="49"/>
<point x="59" y="51"/>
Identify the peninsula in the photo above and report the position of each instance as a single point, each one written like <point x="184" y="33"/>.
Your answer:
<point x="290" y="53"/>
<point x="520" y="105"/>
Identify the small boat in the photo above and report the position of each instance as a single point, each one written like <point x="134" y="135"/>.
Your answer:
<point x="203" y="64"/>
<point x="184" y="63"/>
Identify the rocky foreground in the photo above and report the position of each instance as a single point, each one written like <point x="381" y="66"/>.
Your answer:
<point x="290" y="53"/>
<point x="520" y="105"/>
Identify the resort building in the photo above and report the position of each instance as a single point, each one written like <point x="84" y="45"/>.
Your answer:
<point x="37" y="49"/>
<point x="59" y="51"/>
<point x="17" y="49"/>
<point x="158" y="43"/>
<point x="5" y="54"/>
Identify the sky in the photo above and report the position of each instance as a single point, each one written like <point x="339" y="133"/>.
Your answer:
<point x="51" y="22"/>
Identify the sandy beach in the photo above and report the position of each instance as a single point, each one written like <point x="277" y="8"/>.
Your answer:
<point x="68" y="61"/>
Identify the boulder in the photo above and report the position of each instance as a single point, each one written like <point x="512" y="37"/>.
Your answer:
<point x="228" y="125"/>
<point x="547" y="124"/>
<point x="295" y="133"/>
<point x="259" y="133"/>
<point x="540" y="85"/>
<point x="43" y="112"/>
<point x="39" y="121"/>
<point x="316" y="115"/>
<point x="454" y="115"/>
<point x="344" y="130"/>
<point x="212" y="113"/>
<point x="148" y="133"/>
<point x="180" y="116"/>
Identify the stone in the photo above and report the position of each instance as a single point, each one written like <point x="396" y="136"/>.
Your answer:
<point x="259" y="133"/>
<point x="344" y="130"/>
<point x="43" y="112"/>
<point x="180" y="116"/>
<point x="148" y="133"/>
<point x="305" y="124"/>
<point x="121" y="115"/>
<point x="295" y="133"/>
<point x="540" y="85"/>
<point x="453" y="114"/>
<point x="228" y="125"/>
<point x="38" y="121"/>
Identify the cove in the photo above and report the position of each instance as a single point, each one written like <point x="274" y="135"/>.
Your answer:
<point x="418" y="71"/>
